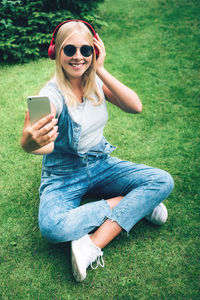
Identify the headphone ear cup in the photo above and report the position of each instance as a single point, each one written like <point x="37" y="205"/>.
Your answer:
<point x="95" y="48"/>
<point x="96" y="51"/>
<point x="52" y="51"/>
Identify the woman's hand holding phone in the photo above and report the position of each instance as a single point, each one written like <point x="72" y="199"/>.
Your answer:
<point x="39" y="136"/>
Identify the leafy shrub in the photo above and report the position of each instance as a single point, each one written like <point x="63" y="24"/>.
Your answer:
<point x="26" y="26"/>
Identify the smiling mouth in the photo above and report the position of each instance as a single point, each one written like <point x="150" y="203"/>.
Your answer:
<point x="76" y="65"/>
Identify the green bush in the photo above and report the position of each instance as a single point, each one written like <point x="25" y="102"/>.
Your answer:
<point x="26" y="26"/>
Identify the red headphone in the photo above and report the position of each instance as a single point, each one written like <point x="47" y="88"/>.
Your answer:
<point x="51" y="50"/>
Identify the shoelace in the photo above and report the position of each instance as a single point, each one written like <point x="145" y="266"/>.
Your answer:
<point x="99" y="261"/>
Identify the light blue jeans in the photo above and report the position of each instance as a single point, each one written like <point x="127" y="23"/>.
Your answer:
<point x="62" y="218"/>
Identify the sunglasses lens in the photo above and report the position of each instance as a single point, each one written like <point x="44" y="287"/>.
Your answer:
<point x="69" y="50"/>
<point x="86" y="50"/>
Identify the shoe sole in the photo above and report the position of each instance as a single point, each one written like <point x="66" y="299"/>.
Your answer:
<point x="75" y="266"/>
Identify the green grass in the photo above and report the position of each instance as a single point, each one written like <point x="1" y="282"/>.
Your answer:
<point x="152" y="46"/>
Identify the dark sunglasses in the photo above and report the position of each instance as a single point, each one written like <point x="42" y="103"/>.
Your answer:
<point x="85" y="50"/>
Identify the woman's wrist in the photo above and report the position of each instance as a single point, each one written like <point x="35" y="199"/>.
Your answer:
<point x="100" y="71"/>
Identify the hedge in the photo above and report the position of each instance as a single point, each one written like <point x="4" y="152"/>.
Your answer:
<point x="26" y="26"/>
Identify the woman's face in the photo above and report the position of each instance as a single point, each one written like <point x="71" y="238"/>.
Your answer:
<point x="76" y="65"/>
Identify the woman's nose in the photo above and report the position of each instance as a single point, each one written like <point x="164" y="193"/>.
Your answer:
<point x="77" y="54"/>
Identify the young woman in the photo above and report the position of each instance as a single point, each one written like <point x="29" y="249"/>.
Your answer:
<point x="77" y="159"/>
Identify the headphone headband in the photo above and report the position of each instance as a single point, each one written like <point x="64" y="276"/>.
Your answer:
<point x="51" y="50"/>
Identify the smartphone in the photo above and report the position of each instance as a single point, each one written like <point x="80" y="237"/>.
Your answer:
<point x="39" y="107"/>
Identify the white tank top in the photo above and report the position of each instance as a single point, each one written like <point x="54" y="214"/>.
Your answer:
<point x="91" y="118"/>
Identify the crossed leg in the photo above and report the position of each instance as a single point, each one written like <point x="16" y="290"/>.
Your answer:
<point x="109" y="229"/>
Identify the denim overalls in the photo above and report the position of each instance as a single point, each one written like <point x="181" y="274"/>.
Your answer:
<point x="67" y="176"/>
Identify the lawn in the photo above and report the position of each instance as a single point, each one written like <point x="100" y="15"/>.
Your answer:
<point x="152" y="46"/>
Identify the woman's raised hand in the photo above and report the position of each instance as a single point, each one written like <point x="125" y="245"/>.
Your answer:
<point x="39" y="134"/>
<point x="102" y="53"/>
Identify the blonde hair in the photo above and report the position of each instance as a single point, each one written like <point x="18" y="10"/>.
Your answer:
<point x="88" y="82"/>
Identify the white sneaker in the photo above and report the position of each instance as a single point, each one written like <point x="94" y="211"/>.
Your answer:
<point x="159" y="215"/>
<point x="84" y="253"/>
